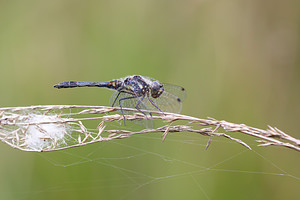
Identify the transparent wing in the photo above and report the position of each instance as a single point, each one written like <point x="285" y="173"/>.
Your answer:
<point x="167" y="102"/>
<point x="175" y="90"/>
<point x="125" y="100"/>
<point x="171" y="99"/>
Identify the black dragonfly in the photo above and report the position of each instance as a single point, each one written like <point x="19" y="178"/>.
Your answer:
<point x="139" y="92"/>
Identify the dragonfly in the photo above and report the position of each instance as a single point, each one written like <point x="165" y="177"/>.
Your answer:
<point x="139" y="92"/>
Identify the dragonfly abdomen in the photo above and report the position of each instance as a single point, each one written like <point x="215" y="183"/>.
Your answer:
<point x="71" y="84"/>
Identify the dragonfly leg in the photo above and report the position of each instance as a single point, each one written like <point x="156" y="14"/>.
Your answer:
<point x="124" y="98"/>
<point x="115" y="99"/>
<point x="154" y="105"/>
<point x="137" y="107"/>
<point x="119" y="90"/>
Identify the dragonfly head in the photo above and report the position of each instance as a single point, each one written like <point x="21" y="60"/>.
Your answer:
<point x="156" y="89"/>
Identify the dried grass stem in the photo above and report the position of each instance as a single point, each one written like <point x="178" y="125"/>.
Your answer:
<point x="16" y="124"/>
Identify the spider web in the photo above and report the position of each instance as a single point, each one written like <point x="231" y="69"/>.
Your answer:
<point x="143" y="167"/>
<point x="136" y="167"/>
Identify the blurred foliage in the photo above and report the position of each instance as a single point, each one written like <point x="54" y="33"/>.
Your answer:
<point x="238" y="60"/>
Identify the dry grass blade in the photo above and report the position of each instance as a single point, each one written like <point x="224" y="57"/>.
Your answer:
<point x="57" y="127"/>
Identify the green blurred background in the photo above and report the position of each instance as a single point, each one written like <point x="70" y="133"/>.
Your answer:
<point x="238" y="60"/>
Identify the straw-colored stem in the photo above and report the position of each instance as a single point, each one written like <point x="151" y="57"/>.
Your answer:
<point x="58" y="127"/>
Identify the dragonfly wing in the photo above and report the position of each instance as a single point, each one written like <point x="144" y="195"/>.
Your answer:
<point x="125" y="100"/>
<point x="175" y="90"/>
<point x="167" y="102"/>
<point x="130" y="101"/>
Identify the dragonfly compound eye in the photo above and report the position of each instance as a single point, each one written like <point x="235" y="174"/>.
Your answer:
<point x="156" y="89"/>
